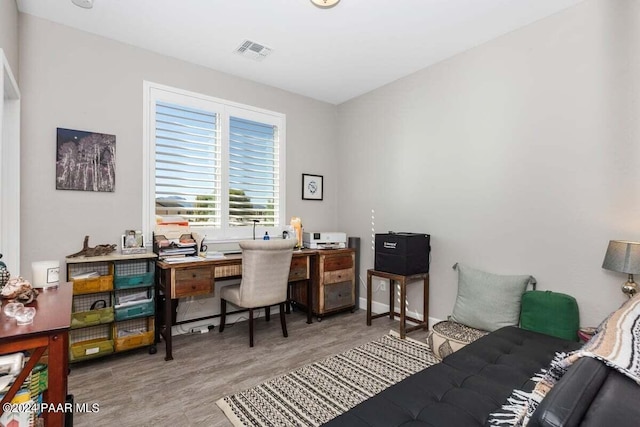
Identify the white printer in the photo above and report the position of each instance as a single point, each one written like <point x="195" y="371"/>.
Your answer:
<point x="324" y="240"/>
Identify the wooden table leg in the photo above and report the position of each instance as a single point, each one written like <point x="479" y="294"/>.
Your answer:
<point x="58" y="367"/>
<point x="392" y="300"/>
<point x="168" y="322"/>
<point x="309" y="302"/>
<point x="425" y="302"/>
<point x="403" y="308"/>
<point x="369" y="296"/>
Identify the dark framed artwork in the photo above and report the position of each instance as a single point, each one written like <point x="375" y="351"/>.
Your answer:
<point x="312" y="187"/>
<point x="85" y="161"/>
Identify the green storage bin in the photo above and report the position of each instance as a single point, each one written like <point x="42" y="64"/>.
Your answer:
<point x="135" y="281"/>
<point x="92" y="317"/>
<point x="89" y="349"/>
<point x="550" y="313"/>
<point x="135" y="310"/>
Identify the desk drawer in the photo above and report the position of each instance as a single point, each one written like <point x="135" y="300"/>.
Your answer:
<point x="338" y="295"/>
<point x="338" y="262"/>
<point x="193" y="281"/>
<point x="228" y="271"/>
<point x="338" y="276"/>
<point x="299" y="269"/>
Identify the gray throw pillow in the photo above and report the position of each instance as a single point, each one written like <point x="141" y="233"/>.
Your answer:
<point x="488" y="301"/>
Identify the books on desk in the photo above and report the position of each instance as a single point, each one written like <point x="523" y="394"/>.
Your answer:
<point x="214" y="255"/>
<point x="180" y="259"/>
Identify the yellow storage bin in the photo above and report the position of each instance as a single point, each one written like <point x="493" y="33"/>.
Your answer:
<point x="134" y="333"/>
<point x="89" y="349"/>
<point x="92" y="285"/>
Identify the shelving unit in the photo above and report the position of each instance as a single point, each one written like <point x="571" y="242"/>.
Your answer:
<point x="114" y="310"/>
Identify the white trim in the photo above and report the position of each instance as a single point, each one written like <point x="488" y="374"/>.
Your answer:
<point x="153" y="92"/>
<point x="148" y="159"/>
<point x="9" y="167"/>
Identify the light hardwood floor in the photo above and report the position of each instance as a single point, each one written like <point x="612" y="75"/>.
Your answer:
<point x="139" y="389"/>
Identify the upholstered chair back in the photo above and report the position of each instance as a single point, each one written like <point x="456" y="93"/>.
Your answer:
<point x="265" y="271"/>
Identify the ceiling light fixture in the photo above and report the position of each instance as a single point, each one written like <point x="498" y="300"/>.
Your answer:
<point x="85" y="4"/>
<point x="325" y="4"/>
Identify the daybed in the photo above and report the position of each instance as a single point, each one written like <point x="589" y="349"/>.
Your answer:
<point x="477" y="380"/>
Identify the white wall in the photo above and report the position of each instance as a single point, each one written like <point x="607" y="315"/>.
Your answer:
<point x="521" y="156"/>
<point x="9" y="33"/>
<point x="77" y="80"/>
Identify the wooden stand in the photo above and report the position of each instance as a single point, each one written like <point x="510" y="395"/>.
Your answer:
<point x="49" y="331"/>
<point x="402" y="281"/>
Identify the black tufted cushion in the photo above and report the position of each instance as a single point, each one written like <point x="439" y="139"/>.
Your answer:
<point x="465" y="387"/>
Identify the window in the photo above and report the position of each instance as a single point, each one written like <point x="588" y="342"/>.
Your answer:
<point x="217" y="164"/>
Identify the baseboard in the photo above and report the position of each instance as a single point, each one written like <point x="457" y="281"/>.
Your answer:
<point x="186" y="328"/>
<point x="378" y="307"/>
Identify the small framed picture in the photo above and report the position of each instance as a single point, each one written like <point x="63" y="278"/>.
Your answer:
<point x="311" y="187"/>
<point x="133" y="242"/>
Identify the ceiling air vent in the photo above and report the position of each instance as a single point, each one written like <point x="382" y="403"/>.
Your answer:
<point x="253" y="50"/>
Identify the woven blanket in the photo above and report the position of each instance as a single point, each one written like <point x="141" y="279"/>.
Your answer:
<point x="617" y="344"/>
<point x="316" y="393"/>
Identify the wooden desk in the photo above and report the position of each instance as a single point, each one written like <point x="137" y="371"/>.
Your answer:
<point x="402" y="281"/>
<point x="49" y="331"/>
<point x="180" y="280"/>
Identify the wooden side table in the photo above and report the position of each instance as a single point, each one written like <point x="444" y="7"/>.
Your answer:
<point x="48" y="332"/>
<point x="402" y="281"/>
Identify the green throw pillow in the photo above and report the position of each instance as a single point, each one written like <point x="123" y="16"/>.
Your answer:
<point x="488" y="301"/>
<point x="550" y="313"/>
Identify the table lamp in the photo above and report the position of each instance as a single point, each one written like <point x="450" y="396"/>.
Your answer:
<point x="624" y="257"/>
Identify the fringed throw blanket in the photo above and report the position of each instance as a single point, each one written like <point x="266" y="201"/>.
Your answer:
<point x="617" y="344"/>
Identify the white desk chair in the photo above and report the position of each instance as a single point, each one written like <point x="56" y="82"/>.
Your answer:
<point x="265" y="274"/>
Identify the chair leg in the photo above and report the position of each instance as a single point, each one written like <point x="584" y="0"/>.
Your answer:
<point x="288" y="303"/>
<point x="267" y="313"/>
<point x="223" y="314"/>
<point x="283" y="320"/>
<point x="251" y="327"/>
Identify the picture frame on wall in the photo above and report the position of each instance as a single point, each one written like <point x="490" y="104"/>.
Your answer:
<point x="85" y="161"/>
<point x="312" y="187"/>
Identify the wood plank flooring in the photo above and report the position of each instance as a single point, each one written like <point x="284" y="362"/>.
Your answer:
<point x="139" y="389"/>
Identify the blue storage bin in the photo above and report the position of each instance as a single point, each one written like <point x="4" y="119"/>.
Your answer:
<point x="133" y="274"/>
<point x="131" y="311"/>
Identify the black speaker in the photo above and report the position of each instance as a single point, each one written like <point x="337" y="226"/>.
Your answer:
<point x="354" y="243"/>
<point x="402" y="253"/>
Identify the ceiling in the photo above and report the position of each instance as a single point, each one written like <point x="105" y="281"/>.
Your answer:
<point x="331" y="55"/>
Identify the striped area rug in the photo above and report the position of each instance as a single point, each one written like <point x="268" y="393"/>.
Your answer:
<point x="316" y="393"/>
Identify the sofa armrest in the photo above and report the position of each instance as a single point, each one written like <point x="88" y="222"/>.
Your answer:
<point x="570" y="398"/>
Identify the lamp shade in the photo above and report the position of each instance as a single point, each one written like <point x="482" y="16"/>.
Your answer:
<point x="622" y="256"/>
<point x="325" y="4"/>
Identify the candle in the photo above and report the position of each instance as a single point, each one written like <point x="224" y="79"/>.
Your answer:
<point x="296" y="223"/>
